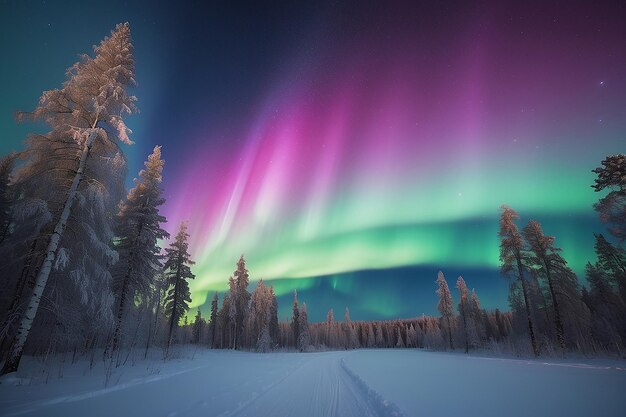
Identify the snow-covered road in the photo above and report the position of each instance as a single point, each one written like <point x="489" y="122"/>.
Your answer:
<point x="318" y="387"/>
<point x="364" y="383"/>
<point x="218" y="383"/>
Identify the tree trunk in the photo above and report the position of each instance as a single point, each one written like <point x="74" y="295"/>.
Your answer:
<point x="145" y="355"/>
<point x="213" y="330"/>
<point x="17" y="296"/>
<point x="560" y="334"/>
<point x="21" y="284"/>
<point x="28" y="317"/>
<point x="173" y="318"/>
<point x="520" y="271"/>
<point x="466" y="337"/>
<point x="449" y="333"/>
<point x="117" y="334"/>
<point x="543" y="301"/>
<point x="153" y="307"/>
<point x="123" y="295"/>
<point x="5" y="229"/>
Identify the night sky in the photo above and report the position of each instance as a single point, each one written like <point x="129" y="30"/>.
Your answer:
<point x="351" y="150"/>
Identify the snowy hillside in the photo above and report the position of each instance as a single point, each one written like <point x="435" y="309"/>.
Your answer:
<point x="345" y="383"/>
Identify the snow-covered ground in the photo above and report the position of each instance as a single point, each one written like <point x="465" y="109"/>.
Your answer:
<point x="346" y="383"/>
<point x="437" y="384"/>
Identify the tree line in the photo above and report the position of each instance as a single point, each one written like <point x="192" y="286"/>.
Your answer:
<point x="249" y="321"/>
<point x="550" y="311"/>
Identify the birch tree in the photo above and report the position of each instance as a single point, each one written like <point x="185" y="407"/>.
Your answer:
<point x="85" y="115"/>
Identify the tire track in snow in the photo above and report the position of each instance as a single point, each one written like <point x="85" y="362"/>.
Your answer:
<point x="321" y="387"/>
<point x="382" y="406"/>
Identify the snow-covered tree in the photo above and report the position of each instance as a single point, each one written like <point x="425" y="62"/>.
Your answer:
<point x="138" y="233"/>
<point x="224" y="324"/>
<point x="608" y="311"/>
<point x="433" y="339"/>
<point x="198" y="327"/>
<point x="511" y="259"/>
<point x="445" y="305"/>
<point x="464" y="308"/>
<point x="264" y="344"/>
<point x="159" y="285"/>
<point x="371" y="339"/>
<point x="400" y="342"/>
<point x="612" y="260"/>
<point x="177" y="271"/>
<point x="78" y="161"/>
<point x="351" y="340"/>
<point x="477" y="328"/>
<point x="240" y="298"/>
<point x="260" y="313"/>
<point x="213" y="320"/>
<point x="6" y="198"/>
<point x="380" y="338"/>
<point x="273" y="325"/>
<point x="330" y="326"/>
<point x="612" y="207"/>
<point x="504" y="327"/>
<point x="295" y="319"/>
<point x="232" y="312"/>
<point x="411" y="336"/>
<point x="304" y="336"/>
<point x="544" y="257"/>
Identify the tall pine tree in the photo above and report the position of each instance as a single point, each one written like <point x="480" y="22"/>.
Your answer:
<point x="273" y="326"/>
<point x="213" y="323"/>
<point x="445" y="305"/>
<point x="241" y="298"/>
<point x="304" y="337"/>
<point x="612" y="207"/>
<point x="177" y="272"/>
<point x="612" y="260"/>
<point x="464" y="308"/>
<point x="139" y="231"/>
<point x="198" y="325"/>
<point x="295" y="319"/>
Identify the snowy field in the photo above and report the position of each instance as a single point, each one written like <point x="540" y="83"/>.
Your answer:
<point x="346" y="383"/>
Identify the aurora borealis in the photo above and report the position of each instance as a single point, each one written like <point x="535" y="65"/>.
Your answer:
<point x="356" y="149"/>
